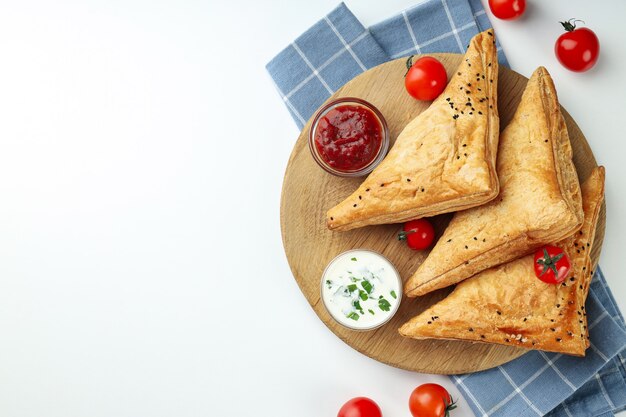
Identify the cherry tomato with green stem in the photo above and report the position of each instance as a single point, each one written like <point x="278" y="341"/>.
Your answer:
<point x="418" y="234"/>
<point x="577" y="49"/>
<point x="426" y="78"/>
<point x="431" y="400"/>
<point x="551" y="264"/>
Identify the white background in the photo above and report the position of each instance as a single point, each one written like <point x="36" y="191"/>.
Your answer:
<point x="142" y="149"/>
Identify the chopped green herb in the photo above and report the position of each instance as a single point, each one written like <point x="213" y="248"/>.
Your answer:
<point x="363" y="295"/>
<point x="353" y="316"/>
<point x="384" y="304"/>
<point x="393" y="294"/>
<point x="354" y="279"/>
<point x="356" y="304"/>
<point x="367" y="286"/>
<point x="352" y="287"/>
<point x="353" y="259"/>
<point x="371" y="311"/>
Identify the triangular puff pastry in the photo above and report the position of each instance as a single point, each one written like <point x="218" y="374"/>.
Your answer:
<point x="510" y="306"/>
<point x="444" y="159"/>
<point x="539" y="198"/>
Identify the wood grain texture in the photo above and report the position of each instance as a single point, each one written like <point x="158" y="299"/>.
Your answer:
<point x="308" y="192"/>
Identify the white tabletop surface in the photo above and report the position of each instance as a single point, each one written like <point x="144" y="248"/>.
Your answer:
<point x="142" y="150"/>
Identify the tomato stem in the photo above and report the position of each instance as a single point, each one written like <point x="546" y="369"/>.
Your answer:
<point x="549" y="262"/>
<point x="409" y="64"/>
<point x="403" y="235"/>
<point x="449" y="406"/>
<point x="570" y="25"/>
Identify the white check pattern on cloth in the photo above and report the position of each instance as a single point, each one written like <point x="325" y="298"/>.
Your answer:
<point x="590" y="386"/>
<point x="338" y="48"/>
<point x="335" y="50"/>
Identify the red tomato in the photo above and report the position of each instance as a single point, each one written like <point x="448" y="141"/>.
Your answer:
<point x="426" y="78"/>
<point x="577" y="49"/>
<point x="419" y="234"/>
<point x="360" y="407"/>
<point x="430" y="400"/>
<point x="507" y="9"/>
<point x="551" y="264"/>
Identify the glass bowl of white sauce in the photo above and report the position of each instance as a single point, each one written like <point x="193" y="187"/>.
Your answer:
<point x="361" y="289"/>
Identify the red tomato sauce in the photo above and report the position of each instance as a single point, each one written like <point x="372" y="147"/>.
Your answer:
<point x="348" y="137"/>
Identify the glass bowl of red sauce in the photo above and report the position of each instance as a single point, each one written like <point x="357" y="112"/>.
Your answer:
<point x="348" y="137"/>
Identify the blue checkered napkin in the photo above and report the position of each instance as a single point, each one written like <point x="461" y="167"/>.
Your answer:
<point x="322" y="59"/>
<point x="541" y="383"/>
<point x="338" y="47"/>
<point x="433" y="26"/>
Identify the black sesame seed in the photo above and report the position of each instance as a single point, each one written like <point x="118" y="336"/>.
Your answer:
<point x="470" y="329"/>
<point x="408" y="180"/>
<point x="482" y="336"/>
<point x="499" y="313"/>
<point x="479" y="112"/>
<point x="458" y="73"/>
<point x="466" y="247"/>
<point x="448" y="99"/>
<point x="558" y="306"/>
<point x="475" y="238"/>
<point x="367" y="189"/>
<point x="506" y="340"/>
<point x="464" y="145"/>
<point x="422" y="189"/>
<point x="558" y="339"/>
<point x="430" y="322"/>
<point x="449" y="240"/>
<point x="553" y="329"/>
<point x="467" y="91"/>
<point x="525" y="319"/>
<point x="354" y="205"/>
<point x="332" y="218"/>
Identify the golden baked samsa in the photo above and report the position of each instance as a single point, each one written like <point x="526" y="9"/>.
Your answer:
<point x="444" y="159"/>
<point x="510" y="305"/>
<point x="539" y="198"/>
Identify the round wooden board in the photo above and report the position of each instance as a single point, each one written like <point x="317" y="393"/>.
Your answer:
<point x="308" y="192"/>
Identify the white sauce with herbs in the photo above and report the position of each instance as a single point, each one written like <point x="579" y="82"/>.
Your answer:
<point x="361" y="289"/>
